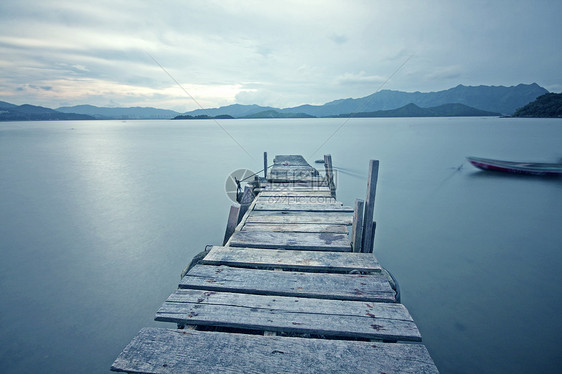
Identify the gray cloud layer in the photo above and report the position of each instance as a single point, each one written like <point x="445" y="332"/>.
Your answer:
<point x="279" y="53"/>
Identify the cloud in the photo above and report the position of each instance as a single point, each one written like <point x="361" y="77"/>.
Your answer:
<point x="444" y="73"/>
<point x="360" y="78"/>
<point x="256" y="96"/>
<point x="338" y="38"/>
<point x="80" y="67"/>
<point x="84" y="50"/>
<point x="35" y="87"/>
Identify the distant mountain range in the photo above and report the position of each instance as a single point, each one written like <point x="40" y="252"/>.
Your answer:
<point x="26" y="112"/>
<point x="412" y="110"/>
<point x="457" y="101"/>
<point x="496" y="99"/>
<point x="120" y="113"/>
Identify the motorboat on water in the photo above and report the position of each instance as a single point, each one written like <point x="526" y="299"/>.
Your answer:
<point x="531" y="168"/>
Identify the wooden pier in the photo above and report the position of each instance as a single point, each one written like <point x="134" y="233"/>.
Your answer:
<point x="290" y="291"/>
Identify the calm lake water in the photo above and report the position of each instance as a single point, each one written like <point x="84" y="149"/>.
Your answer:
<point x="98" y="219"/>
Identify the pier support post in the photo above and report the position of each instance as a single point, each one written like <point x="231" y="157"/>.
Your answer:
<point x="368" y="227"/>
<point x="231" y="223"/>
<point x="330" y="174"/>
<point x="245" y="202"/>
<point x="357" y="230"/>
<point x="374" y="226"/>
<point x="265" y="165"/>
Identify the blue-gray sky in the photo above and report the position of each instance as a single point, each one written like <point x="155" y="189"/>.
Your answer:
<point x="278" y="53"/>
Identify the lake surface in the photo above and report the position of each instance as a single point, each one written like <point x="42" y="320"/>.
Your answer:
<point x="98" y="219"/>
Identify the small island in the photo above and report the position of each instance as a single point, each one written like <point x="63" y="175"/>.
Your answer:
<point x="276" y="114"/>
<point x="203" y="116"/>
<point x="545" y="106"/>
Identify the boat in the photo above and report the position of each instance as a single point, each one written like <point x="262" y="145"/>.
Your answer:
<point x="531" y="168"/>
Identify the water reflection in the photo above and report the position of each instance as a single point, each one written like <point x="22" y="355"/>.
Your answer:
<point x="491" y="174"/>
<point x="98" y="222"/>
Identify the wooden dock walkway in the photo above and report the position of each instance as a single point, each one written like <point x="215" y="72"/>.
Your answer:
<point x="286" y="293"/>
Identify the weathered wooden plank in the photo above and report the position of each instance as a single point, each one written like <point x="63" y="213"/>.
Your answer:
<point x="293" y="186"/>
<point x="290" y="160"/>
<point x="267" y="193"/>
<point x="304" y="227"/>
<point x="292" y="168"/>
<point x="277" y="187"/>
<point x="336" y="207"/>
<point x="312" y="241"/>
<point x="295" y="180"/>
<point x="294" y="199"/>
<point x="284" y="165"/>
<point x="301" y="260"/>
<point x="293" y="174"/>
<point x="370" y="287"/>
<point x="339" y="214"/>
<point x="282" y="323"/>
<point x="157" y="350"/>
<point x="351" y="319"/>
<point x="343" y="218"/>
<point x="292" y="189"/>
<point x="297" y="170"/>
<point x="368" y="310"/>
<point x="340" y="326"/>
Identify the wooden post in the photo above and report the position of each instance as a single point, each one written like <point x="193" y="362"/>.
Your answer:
<point x="330" y="174"/>
<point x="374" y="226"/>
<point x="370" y="206"/>
<point x="357" y="230"/>
<point x="265" y="165"/>
<point x="245" y="202"/>
<point x="370" y="250"/>
<point x="231" y="223"/>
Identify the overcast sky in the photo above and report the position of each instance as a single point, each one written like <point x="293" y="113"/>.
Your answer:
<point x="278" y="53"/>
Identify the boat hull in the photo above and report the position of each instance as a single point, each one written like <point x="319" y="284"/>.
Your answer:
<point x="529" y="168"/>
